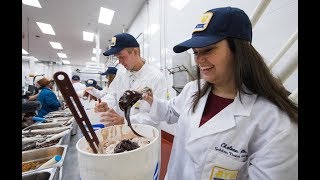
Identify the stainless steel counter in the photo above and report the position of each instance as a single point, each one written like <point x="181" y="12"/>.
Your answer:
<point x="70" y="170"/>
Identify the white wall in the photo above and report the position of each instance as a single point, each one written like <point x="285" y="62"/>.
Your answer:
<point x="172" y="26"/>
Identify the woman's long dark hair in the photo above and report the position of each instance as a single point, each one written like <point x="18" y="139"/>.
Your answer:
<point x="251" y="70"/>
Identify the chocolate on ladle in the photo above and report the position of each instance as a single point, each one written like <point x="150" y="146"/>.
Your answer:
<point x="127" y="100"/>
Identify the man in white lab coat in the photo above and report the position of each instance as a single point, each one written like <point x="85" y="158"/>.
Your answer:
<point x="138" y="75"/>
<point x="77" y="85"/>
<point x="237" y="121"/>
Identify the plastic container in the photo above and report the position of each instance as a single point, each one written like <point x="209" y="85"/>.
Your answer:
<point x="138" y="164"/>
<point x="38" y="119"/>
<point x="95" y="127"/>
<point x="51" y="161"/>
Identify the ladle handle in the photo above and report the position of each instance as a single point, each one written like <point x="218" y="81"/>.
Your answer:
<point x="70" y="96"/>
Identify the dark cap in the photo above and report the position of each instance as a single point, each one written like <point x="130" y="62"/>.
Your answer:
<point x="75" y="78"/>
<point x="121" y="41"/>
<point x="216" y="25"/>
<point x="110" y="70"/>
<point x="91" y="82"/>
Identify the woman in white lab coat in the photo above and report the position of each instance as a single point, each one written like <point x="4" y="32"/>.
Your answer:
<point x="237" y="121"/>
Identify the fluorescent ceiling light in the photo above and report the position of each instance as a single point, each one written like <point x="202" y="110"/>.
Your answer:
<point x="179" y="4"/>
<point x="46" y="28"/>
<point x="105" y="16"/>
<point x="93" y="59"/>
<point x="88" y="36"/>
<point x="65" y="61"/>
<point x="94" y="51"/>
<point x="62" y="55"/>
<point x="34" y="3"/>
<point x="24" y="51"/>
<point x="56" y="45"/>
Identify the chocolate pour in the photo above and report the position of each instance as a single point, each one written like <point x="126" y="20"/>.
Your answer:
<point x="127" y="100"/>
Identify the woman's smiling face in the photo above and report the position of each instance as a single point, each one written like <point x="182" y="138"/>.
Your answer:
<point x="215" y="62"/>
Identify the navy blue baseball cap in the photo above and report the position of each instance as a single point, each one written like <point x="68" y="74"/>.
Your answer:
<point x="110" y="70"/>
<point x="75" y="78"/>
<point x="91" y="82"/>
<point x="121" y="41"/>
<point x="216" y="25"/>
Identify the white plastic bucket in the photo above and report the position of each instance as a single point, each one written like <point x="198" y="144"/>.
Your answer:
<point x="138" y="164"/>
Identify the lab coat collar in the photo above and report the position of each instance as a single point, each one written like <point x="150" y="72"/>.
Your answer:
<point x="137" y="74"/>
<point x="222" y="121"/>
<point x="244" y="107"/>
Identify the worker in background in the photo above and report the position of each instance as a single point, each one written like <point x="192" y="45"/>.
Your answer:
<point x="93" y="92"/>
<point x="49" y="101"/>
<point x="77" y="85"/>
<point x="138" y="75"/>
<point x="237" y="121"/>
<point x="37" y="88"/>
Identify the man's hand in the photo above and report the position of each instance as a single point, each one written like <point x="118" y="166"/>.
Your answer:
<point x="147" y="95"/>
<point x="111" y="118"/>
<point x="101" y="107"/>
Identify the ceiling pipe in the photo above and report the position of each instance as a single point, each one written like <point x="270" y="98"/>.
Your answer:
<point x="97" y="36"/>
<point x="289" y="68"/>
<point x="294" y="96"/>
<point x="28" y="36"/>
<point x="284" y="49"/>
<point x="263" y="4"/>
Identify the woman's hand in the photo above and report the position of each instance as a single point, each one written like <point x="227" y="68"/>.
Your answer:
<point x="87" y="93"/>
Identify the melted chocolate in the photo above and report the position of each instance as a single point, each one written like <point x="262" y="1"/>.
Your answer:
<point x="127" y="100"/>
<point x="125" y="145"/>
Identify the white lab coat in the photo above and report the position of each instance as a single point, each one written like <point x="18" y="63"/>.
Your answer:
<point x="147" y="76"/>
<point x="248" y="140"/>
<point x="99" y="93"/>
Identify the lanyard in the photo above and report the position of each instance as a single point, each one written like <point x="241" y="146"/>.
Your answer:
<point x="132" y="78"/>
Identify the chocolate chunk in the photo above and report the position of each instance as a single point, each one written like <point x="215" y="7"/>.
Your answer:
<point x="125" y="145"/>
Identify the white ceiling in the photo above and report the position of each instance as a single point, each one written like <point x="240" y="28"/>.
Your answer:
<point x="68" y="19"/>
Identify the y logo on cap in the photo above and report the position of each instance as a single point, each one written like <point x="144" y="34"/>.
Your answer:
<point x="205" y="19"/>
<point x="113" y="41"/>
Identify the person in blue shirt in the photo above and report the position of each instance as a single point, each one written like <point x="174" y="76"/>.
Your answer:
<point x="49" y="101"/>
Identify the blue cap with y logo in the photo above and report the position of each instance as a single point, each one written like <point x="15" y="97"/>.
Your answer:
<point x="216" y="25"/>
<point x="121" y="41"/>
<point x="110" y="70"/>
